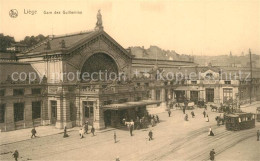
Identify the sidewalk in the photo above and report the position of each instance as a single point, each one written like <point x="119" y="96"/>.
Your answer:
<point x="42" y="131"/>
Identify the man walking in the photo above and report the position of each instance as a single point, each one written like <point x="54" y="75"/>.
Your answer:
<point x="204" y="113"/>
<point x="169" y="113"/>
<point x="16" y="155"/>
<point x="258" y="135"/>
<point x="150" y="134"/>
<point x="65" y="132"/>
<point x="212" y="154"/>
<point x="115" y="137"/>
<point x="131" y="130"/>
<point x="33" y="132"/>
<point x="93" y="131"/>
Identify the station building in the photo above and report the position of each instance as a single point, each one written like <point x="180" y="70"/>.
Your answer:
<point x="55" y="96"/>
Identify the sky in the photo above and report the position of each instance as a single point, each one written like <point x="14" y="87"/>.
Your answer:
<point x="195" y="27"/>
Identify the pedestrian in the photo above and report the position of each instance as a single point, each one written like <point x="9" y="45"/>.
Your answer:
<point x="212" y="154"/>
<point x="192" y="114"/>
<point x="115" y="137"/>
<point x="93" y="131"/>
<point x="86" y="128"/>
<point x="207" y="118"/>
<point x="218" y="120"/>
<point x="81" y="133"/>
<point x="204" y="113"/>
<point x="65" y="132"/>
<point x="16" y="155"/>
<point x="211" y="132"/>
<point x="157" y="117"/>
<point x="258" y="134"/>
<point x="169" y="113"/>
<point x="33" y="132"/>
<point x="150" y="134"/>
<point x="186" y="118"/>
<point x="131" y="130"/>
<point x="183" y="109"/>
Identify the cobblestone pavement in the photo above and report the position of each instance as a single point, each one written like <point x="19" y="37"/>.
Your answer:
<point x="174" y="139"/>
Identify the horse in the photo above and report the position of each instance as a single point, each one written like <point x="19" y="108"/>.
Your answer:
<point x="213" y="108"/>
<point x="220" y="119"/>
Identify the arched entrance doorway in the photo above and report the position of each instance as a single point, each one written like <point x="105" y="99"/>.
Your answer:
<point x="100" y="66"/>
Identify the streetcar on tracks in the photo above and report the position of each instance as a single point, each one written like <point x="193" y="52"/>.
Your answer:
<point x="258" y="114"/>
<point x="239" y="121"/>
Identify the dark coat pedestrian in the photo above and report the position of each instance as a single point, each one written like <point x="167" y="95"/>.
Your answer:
<point x="183" y="109"/>
<point x="192" y="114"/>
<point x="212" y="155"/>
<point x="150" y="134"/>
<point x="204" y="114"/>
<point x="16" y="155"/>
<point x="93" y="130"/>
<point x="115" y="137"/>
<point x="169" y="113"/>
<point x="258" y="135"/>
<point x="33" y="133"/>
<point x="65" y="132"/>
<point x="131" y="130"/>
<point x="157" y="117"/>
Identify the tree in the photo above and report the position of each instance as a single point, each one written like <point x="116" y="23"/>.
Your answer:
<point x="5" y="42"/>
<point x="32" y="40"/>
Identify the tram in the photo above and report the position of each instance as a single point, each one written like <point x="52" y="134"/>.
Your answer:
<point x="258" y="114"/>
<point x="239" y="121"/>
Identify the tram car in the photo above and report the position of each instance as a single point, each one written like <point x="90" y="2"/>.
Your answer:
<point x="239" y="121"/>
<point x="258" y="114"/>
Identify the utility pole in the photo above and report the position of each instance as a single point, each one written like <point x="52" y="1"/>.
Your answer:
<point x="251" y="74"/>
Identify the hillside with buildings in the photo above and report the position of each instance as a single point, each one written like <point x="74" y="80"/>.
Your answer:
<point x="154" y="52"/>
<point x="228" y="60"/>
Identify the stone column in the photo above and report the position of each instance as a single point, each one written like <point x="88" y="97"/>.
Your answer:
<point x="98" y="120"/>
<point x="153" y="94"/>
<point x="28" y="114"/>
<point x="66" y="113"/>
<point x="163" y="104"/>
<point x="45" y="115"/>
<point x="9" y="119"/>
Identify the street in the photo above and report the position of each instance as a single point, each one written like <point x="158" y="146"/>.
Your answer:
<point x="174" y="139"/>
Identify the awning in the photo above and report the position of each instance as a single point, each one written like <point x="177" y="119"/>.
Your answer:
<point x="187" y="88"/>
<point x="127" y="105"/>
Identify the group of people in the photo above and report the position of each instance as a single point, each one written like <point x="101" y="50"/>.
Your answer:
<point x="84" y="130"/>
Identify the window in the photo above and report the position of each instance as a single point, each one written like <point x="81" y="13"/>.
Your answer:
<point x="193" y="82"/>
<point x="2" y="92"/>
<point x="18" y="92"/>
<point x="107" y="102"/>
<point x="138" y="84"/>
<point x="88" y="106"/>
<point x="147" y="84"/>
<point x="2" y="113"/>
<point x="122" y="100"/>
<point x="158" y="94"/>
<point x="54" y="109"/>
<point x="227" y="82"/>
<point x="227" y="94"/>
<point x="18" y="111"/>
<point x="137" y="98"/>
<point x="36" y="90"/>
<point x="36" y="110"/>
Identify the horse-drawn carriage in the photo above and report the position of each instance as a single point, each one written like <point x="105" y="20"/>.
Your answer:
<point x="258" y="114"/>
<point x="239" y="121"/>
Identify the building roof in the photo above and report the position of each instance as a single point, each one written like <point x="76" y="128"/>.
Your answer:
<point x="8" y="68"/>
<point x="71" y="41"/>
